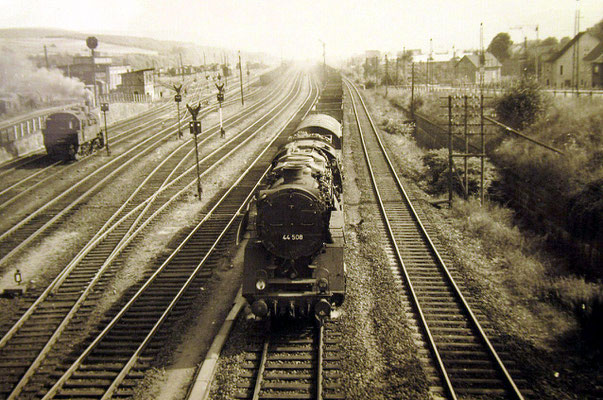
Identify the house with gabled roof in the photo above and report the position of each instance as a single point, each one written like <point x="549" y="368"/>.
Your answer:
<point x="468" y="68"/>
<point x="595" y="60"/>
<point x="573" y="65"/>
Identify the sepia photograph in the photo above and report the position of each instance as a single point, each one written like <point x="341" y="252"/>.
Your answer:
<point x="301" y="200"/>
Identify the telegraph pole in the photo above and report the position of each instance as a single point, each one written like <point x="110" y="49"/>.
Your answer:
<point x="428" y="59"/>
<point x="386" y="74"/>
<point x="241" y="77"/>
<point x="324" y="60"/>
<point x="181" y="68"/>
<point x="412" y="91"/>
<point x="195" y="128"/>
<point x="397" y="67"/>
<point x="46" y="57"/>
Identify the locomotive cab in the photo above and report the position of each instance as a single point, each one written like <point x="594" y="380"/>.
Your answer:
<point x="72" y="134"/>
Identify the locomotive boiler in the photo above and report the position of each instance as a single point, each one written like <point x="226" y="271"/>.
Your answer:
<point x="294" y="258"/>
<point x="72" y="134"/>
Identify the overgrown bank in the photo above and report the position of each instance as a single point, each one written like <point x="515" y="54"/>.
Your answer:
<point x="549" y="313"/>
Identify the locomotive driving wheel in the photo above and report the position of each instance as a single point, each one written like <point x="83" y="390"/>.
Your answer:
<point x="73" y="153"/>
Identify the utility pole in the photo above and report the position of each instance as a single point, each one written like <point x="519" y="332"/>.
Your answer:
<point x="46" y="57"/>
<point x="376" y="72"/>
<point x="525" y="61"/>
<point x="412" y="92"/>
<point x="104" y="109"/>
<point x="241" y="77"/>
<point x="397" y="67"/>
<point x="195" y="128"/>
<point x="386" y="74"/>
<point x="324" y="60"/>
<point x="92" y="43"/>
<point x="181" y="68"/>
<point x="428" y="59"/>
<point x="404" y="64"/>
<point x="576" y="63"/>
<point x="482" y="58"/>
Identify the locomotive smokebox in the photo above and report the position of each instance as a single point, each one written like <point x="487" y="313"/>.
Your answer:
<point x="291" y="221"/>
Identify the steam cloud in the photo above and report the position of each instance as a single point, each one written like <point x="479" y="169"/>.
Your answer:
<point x="33" y="85"/>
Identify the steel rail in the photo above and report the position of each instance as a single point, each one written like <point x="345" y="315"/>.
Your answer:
<point x="259" y="378"/>
<point x="319" y="367"/>
<point x="105" y="230"/>
<point x="134" y="358"/>
<point x="507" y="377"/>
<point x="150" y="280"/>
<point x="431" y="341"/>
<point x="34" y="235"/>
<point x="98" y="238"/>
<point x="117" y="139"/>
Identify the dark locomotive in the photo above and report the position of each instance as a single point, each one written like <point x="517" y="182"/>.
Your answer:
<point x="294" y="258"/>
<point x="72" y="134"/>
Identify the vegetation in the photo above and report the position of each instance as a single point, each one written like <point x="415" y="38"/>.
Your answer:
<point x="437" y="174"/>
<point x="521" y="104"/>
<point x="527" y="271"/>
<point x="500" y="46"/>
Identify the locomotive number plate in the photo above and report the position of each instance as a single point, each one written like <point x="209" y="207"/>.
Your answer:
<point x="294" y="236"/>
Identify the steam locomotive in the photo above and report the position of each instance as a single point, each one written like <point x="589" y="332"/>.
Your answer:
<point x="294" y="258"/>
<point x="73" y="133"/>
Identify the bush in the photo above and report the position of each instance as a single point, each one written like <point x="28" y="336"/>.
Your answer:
<point x="585" y="217"/>
<point x="521" y="104"/>
<point x="436" y="174"/>
<point x="585" y="299"/>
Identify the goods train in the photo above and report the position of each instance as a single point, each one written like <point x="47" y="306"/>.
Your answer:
<point x="294" y="257"/>
<point x="73" y="133"/>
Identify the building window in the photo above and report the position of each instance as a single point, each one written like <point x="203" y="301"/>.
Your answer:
<point x="561" y="70"/>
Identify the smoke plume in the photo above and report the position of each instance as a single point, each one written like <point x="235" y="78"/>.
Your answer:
<point x="33" y="85"/>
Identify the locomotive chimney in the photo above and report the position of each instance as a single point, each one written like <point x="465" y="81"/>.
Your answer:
<point x="292" y="173"/>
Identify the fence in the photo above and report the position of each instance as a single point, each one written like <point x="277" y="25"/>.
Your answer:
<point x="490" y="91"/>
<point x="125" y="98"/>
<point x="13" y="130"/>
<point x="545" y="211"/>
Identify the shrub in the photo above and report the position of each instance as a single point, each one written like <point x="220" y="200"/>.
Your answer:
<point x="521" y="104"/>
<point x="586" y="212"/>
<point x="436" y="174"/>
<point x="585" y="299"/>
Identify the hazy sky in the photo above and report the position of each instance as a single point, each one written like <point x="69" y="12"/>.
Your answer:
<point x="294" y="27"/>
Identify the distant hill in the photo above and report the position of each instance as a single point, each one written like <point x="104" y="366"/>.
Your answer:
<point x="136" y="51"/>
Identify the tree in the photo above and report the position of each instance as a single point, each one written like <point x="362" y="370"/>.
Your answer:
<point x="521" y="104"/>
<point x="597" y="30"/>
<point x="500" y="46"/>
<point x="550" y="41"/>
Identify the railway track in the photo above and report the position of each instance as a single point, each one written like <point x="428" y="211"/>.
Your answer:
<point x="295" y="360"/>
<point x="24" y="176"/>
<point x="66" y="293"/>
<point x="463" y="362"/>
<point x="25" y="231"/>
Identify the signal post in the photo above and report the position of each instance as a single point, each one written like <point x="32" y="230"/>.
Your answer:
<point x="178" y="99"/>
<point x="104" y="109"/>
<point x="220" y="97"/>
<point x="195" y="128"/>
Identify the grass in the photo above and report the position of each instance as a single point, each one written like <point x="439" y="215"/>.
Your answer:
<point x="528" y="271"/>
<point x="520" y="260"/>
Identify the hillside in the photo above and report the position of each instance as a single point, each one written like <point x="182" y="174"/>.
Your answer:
<point x="61" y="44"/>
